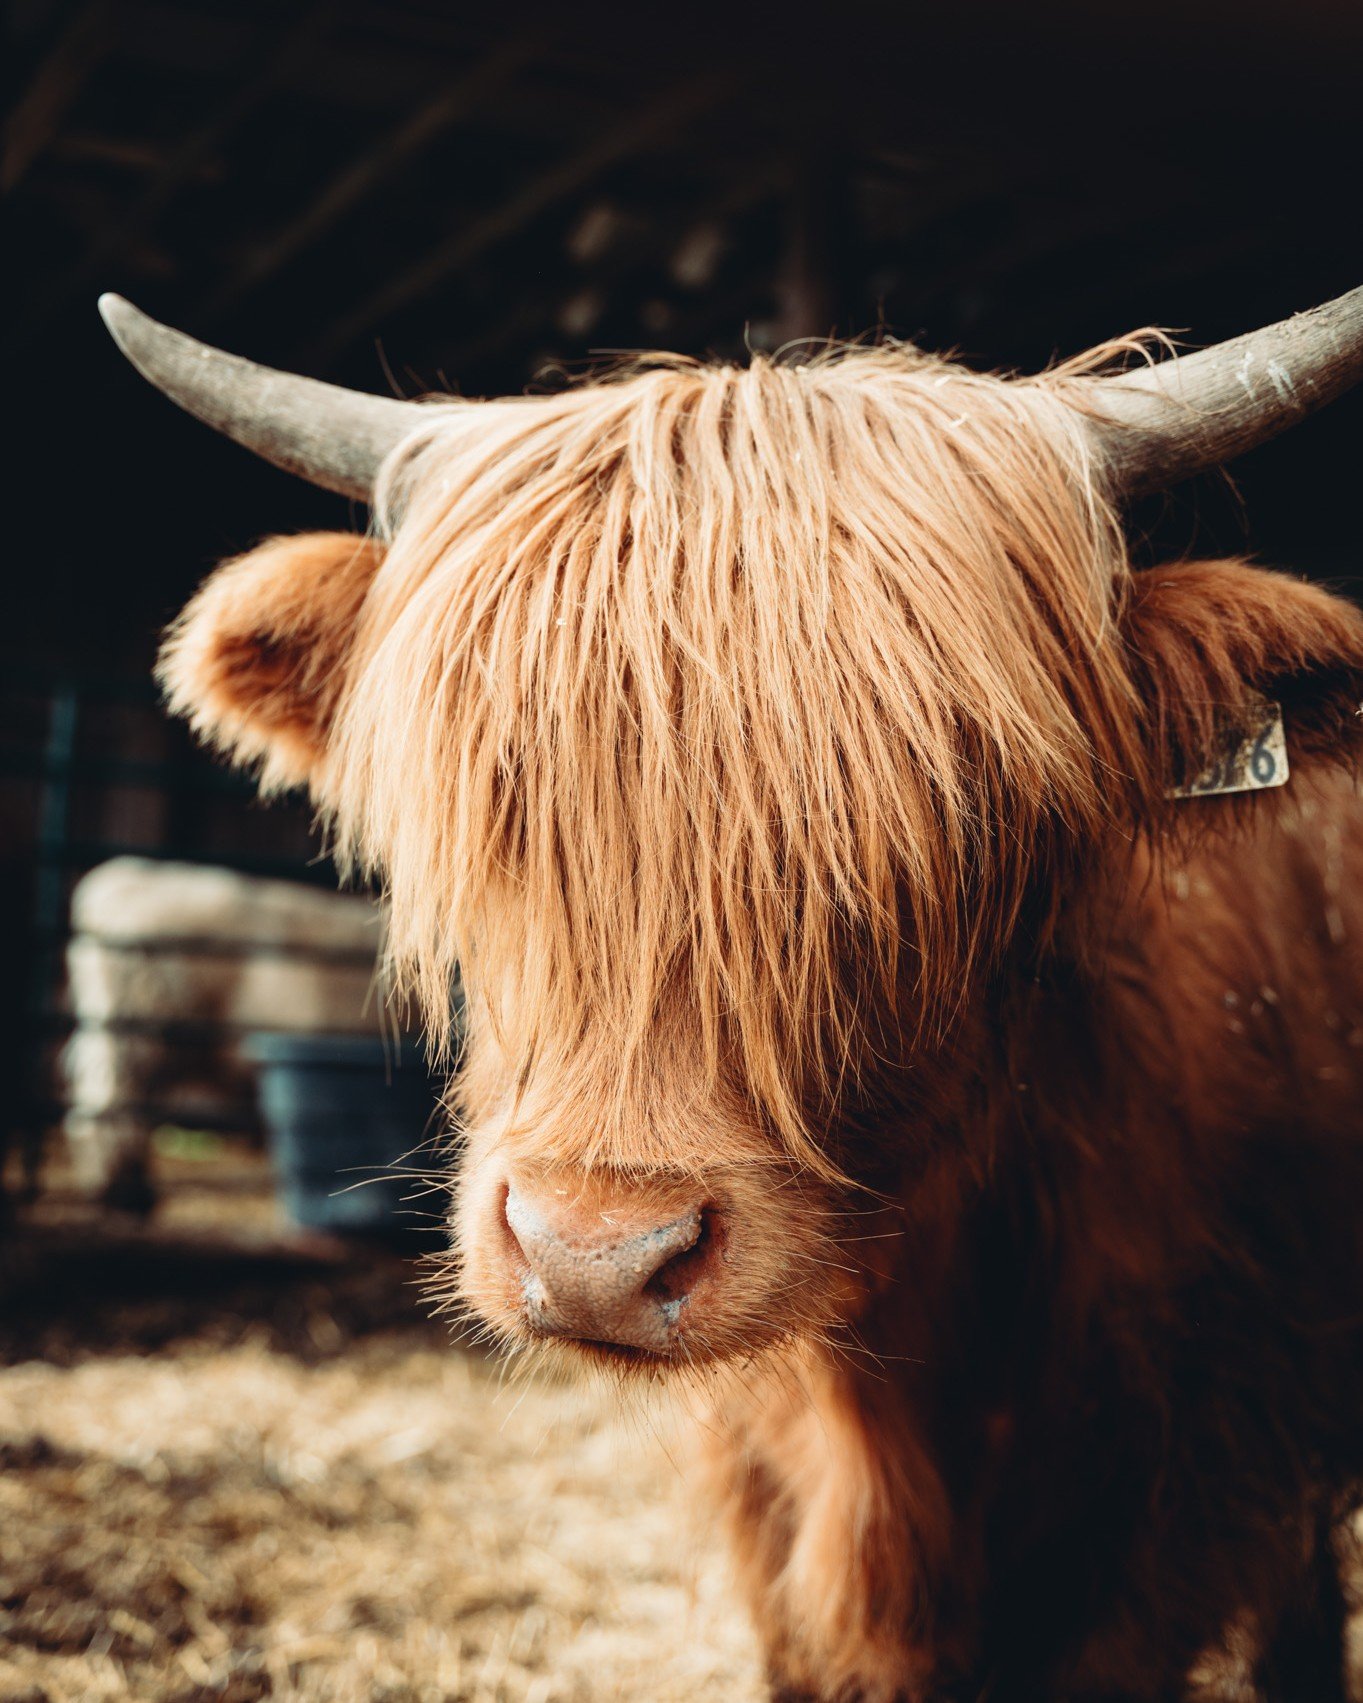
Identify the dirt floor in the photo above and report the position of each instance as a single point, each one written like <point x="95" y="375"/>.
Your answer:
<point x="239" y="1466"/>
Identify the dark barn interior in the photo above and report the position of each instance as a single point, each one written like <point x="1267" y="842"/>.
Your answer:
<point x="420" y="197"/>
<point x="413" y="196"/>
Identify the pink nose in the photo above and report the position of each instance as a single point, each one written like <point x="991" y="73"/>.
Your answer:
<point x="610" y="1269"/>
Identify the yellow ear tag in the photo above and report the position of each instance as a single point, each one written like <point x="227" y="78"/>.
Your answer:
<point x="1252" y="756"/>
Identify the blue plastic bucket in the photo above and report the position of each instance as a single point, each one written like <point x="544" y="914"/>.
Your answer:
<point x="341" y="1112"/>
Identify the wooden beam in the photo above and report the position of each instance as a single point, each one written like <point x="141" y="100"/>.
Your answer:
<point x="124" y="153"/>
<point x="809" y="289"/>
<point x="53" y="90"/>
<point x="369" y="170"/>
<point x="275" y="59"/>
<point x="531" y="313"/>
<point x="641" y="129"/>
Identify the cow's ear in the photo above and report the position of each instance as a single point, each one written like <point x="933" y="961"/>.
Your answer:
<point x="257" y="662"/>
<point x="1205" y="637"/>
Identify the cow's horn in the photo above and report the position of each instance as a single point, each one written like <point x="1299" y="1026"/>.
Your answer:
<point x="335" y="438"/>
<point x="1160" y="424"/>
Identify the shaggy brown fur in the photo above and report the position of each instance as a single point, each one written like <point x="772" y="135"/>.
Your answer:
<point x="783" y="754"/>
<point x="266" y="643"/>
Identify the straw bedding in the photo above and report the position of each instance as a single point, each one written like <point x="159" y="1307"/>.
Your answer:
<point x="296" y="1489"/>
<point x="235" y="1466"/>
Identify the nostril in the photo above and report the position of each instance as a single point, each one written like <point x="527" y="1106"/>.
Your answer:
<point x="678" y="1276"/>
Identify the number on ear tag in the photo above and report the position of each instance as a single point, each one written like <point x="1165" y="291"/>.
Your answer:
<point x="1253" y="756"/>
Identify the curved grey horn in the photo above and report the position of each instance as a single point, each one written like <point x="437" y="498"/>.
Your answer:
<point x="336" y="438"/>
<point x="1157" y="425"/>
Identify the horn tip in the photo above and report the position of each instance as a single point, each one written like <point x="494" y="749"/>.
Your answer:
<point x="119" y="316"/>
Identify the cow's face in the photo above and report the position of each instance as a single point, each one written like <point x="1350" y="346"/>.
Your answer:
<point x="724" y="728"/>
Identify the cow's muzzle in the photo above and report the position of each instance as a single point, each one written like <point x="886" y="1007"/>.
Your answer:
<point x="615" y="1267"/>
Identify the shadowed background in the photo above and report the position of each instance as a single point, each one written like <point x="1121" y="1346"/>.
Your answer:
<point x="415" y="196"/>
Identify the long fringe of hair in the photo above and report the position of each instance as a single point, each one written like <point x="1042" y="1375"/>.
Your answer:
<point x="750" y="695"/>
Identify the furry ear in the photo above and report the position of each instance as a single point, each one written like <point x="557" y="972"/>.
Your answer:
<point x="1203" y="637"/>
<point x="257" y="660"/>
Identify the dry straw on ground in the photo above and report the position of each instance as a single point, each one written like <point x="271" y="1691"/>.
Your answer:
<point x="284" y="1506"/>
<point x="231" y="1469"/>
<point x="237" y="1525"/>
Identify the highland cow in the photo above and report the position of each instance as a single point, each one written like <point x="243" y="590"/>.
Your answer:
<point x="879" y="1018"/>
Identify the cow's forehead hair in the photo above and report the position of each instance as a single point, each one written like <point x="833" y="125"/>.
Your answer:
<point x="751" y="692"/>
